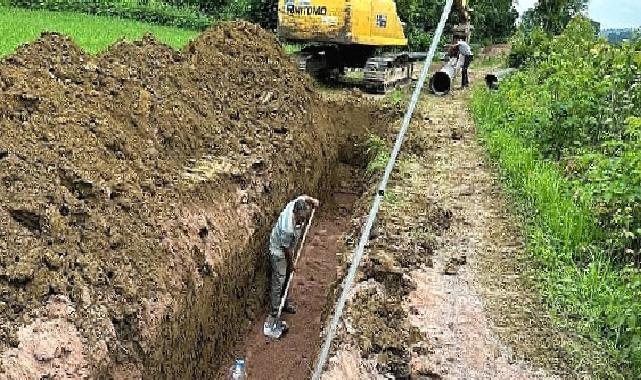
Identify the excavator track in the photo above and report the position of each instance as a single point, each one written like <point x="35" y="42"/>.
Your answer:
<point x="381" y="74"/>
<point x="386" y="72"/>
<point x="322" y="62"/>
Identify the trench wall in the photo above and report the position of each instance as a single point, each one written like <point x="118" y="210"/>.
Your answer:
<point x="138" y="190"/>
<point x="213" y="316"/>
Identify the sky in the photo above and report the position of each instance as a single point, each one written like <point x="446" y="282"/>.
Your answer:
<point x="610" y="13"/>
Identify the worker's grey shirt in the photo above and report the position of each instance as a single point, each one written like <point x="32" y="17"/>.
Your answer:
<point x="284" y="232"/>
<point x="464" y="48"/>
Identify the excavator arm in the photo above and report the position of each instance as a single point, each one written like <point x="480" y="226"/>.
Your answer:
<point x="461" y="7"/>
<point x="464" y="28"/>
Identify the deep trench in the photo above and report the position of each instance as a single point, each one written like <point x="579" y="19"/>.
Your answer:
<point x="315" y="279"/>
<point x="215" y="318"/>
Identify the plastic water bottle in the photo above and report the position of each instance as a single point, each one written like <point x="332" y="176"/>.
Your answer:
<point x="238" y="371"/>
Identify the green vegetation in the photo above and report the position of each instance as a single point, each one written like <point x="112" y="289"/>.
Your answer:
<point x="489" y="61"/>
<point x="292" y="48"/>
<point x="397" y="96"/>
<point x="188" y="14"/>
<point x="566" y="134"/>
<point x="377" y="153"/>
<point x="391" y="197"/>
<point x="553" y="15"/>
<point x="493" y="21"/>
<point x="538" y="24"/>
<point x="153" y="11"/>
<point x="92" y="33"/>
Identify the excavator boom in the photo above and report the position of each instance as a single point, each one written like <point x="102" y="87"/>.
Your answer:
<point x="462" y="8"/>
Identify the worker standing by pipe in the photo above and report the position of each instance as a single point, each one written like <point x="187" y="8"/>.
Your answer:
<point x="283" y="240"/>
<point x="464" y="49"/>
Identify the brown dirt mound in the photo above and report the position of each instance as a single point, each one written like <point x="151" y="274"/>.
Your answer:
<point x="139" y="186"/>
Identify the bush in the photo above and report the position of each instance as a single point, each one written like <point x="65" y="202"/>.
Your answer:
<point x="528" y="47"/>
<point x="207" y="6"/>
<point x="153" y="11"/>
<point x="419" y="40"/>
<point x="566" y="132"/>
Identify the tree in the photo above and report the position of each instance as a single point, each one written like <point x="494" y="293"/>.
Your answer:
<point x="494" y="21"/>
<point x="421" y="17"/>
<point x="554" y="15"/>
<point x="529" y="21"/>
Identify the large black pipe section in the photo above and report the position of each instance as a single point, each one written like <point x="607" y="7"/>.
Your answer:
<point x="441" y="82"/>
<point x="492" y="79"/>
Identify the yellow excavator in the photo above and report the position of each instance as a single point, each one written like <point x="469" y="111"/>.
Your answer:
<point x="343" y="34"/>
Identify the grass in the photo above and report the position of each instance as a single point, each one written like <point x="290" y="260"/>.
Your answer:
<point x="92" y="33"/>
<point x="397" y="96"/>
<point x="584" y="291"/>
<point x="377" y="150"/>
<point x="292" y="48"/>
<point x="489" y="62"/>
<point x="391" y="197"/>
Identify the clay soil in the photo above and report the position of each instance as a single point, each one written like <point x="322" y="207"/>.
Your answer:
<point x="294" y="355"/>
<point x="137" y="191"/>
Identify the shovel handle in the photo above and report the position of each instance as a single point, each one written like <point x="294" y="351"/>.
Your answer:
<point x="291" y="275"/>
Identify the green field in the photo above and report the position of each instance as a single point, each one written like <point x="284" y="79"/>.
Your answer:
<point x="92" y="33"/>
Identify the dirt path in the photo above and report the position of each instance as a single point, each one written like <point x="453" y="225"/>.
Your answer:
<point x="294" y="355"/>
<point x="477" y="313"/>
<point x="447" y="304"/>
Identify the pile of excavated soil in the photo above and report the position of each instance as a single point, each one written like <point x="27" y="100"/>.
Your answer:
<point x="137" y="189"/>
<point x="376" y="325"/>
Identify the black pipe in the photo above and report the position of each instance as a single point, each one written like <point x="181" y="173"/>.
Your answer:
<point x="441" y="82"/>
<point x="492" y="79"/>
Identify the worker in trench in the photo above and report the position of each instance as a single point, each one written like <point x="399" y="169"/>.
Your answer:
<point x="283" y="242"/>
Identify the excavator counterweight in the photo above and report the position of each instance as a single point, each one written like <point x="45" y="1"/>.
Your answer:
<point x="362" y="22"/>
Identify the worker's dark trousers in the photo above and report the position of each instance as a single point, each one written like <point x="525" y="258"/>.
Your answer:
<point x="465" y="81"/>
<point x="279" y="278"/>
<point x="280" y="273"/>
